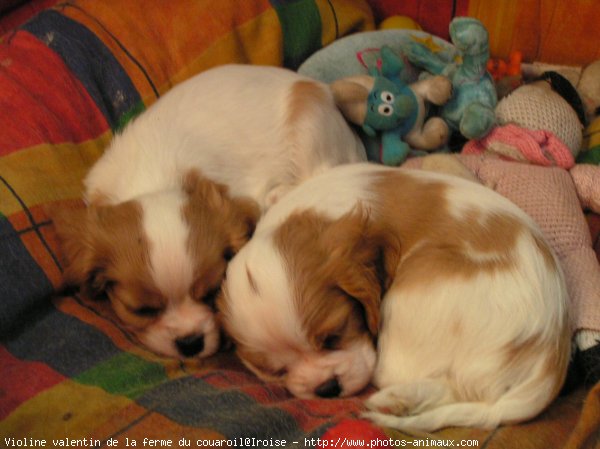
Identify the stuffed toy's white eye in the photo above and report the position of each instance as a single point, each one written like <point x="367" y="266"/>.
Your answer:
<point x="387" y="97"/>
<point x="385" y="109"/>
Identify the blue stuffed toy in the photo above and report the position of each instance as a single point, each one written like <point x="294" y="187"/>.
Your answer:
<point x="381" y="103"/>
<point x="474" y="98"/>
<point x="392" y="108"/>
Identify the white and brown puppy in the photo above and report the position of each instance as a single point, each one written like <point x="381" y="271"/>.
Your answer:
<point x="468" y="301"/>
<point x="179" y="191"/>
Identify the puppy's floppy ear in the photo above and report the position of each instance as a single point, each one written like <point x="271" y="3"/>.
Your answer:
<point x="237" y="216"/>
<point x="245" y="216"/>
<point x="350" y="96"/>
<point x="81" y="266"/>
<point x="364" y="261"/>
<point x="388" y="258"/>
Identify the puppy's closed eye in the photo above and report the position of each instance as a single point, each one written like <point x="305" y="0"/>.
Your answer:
<point x="135" y="303"/>
<point x="210" y="298"/>
<point x="343" y="324"/>
<point x="228" y="253"/>
<point x="148" y="312"/>
<point x="331" y="342"/>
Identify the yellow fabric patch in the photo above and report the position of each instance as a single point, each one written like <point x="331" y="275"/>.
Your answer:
<point x="48" y="172"/>
<point x="65" y="411"/>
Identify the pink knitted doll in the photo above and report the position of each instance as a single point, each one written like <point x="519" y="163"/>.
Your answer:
<point x="531" y="165"/>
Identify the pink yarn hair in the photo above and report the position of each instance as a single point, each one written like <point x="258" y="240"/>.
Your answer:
<point x="540" y="147"/>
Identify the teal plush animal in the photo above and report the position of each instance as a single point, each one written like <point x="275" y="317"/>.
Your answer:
<point x="383" y="104"/>
<point x="470" y="110"/>
<point x="392" y="110"/>
<point x="390" y="107"/>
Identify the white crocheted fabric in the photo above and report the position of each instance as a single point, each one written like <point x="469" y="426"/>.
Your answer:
<point x="540" y="108"/>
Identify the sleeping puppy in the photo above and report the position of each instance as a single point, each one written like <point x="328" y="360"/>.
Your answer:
<point x="467" y="300"/>
<point x="179" y="191"/>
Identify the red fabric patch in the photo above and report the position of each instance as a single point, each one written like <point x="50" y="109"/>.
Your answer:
<point x="433" y="16"/>
<point x="308" y="413"/>
<point x="22" y="380"/>
<point x="23" y="11"/>
<point x="41" y="100"/>
<point x="358" y="433"/>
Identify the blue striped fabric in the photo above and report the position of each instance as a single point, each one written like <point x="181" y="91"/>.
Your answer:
<point x="91" y="61"/>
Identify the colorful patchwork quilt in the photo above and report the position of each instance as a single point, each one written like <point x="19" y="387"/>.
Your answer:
<point x="69" y="375"/>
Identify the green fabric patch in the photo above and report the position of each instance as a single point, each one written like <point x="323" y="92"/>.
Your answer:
<point x="129" y="115"/>
<point x="591" y="156"/>
<point x="302" y="29"/>
<point x="124" y="374"/>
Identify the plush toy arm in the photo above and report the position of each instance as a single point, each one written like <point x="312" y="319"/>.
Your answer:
<point x="432" y="135"/>
<point x="422" y="57"/>
<point x="477" y="120"/>
<point x="351" y="95"/>
<point x="394" y="150"/>
<point x="436" y="90"/>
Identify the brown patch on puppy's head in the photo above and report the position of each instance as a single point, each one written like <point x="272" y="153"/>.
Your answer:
<point x="211" y="208"/>
<point x="338" y="268"/>
<point x="218" y="227"/>
<point x="99" y="241"/>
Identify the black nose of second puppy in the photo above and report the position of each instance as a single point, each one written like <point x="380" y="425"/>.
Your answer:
<point x="190" y="345"/>
<point x="329" y="389"/>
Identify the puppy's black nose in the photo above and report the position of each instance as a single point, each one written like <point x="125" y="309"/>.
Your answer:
<point x="329" y="389"/>
<point x="190" y="345"/>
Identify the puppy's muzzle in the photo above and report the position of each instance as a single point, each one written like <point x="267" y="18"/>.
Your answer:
<point x="329" y="389"/>
<point x="190" y="345"/>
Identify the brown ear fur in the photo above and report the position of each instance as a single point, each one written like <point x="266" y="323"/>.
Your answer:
<point x="346" y="254"/>
<point x="247" y="214"/>
<point x="367" y="261"/>
<point x="80" y="265"/>
<point x="93" y="238"/>
<point x="239" y="214"/>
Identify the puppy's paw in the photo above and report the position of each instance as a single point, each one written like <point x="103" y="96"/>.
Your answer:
<point x="407" y="424"/>
<point x="381" y="419"/>
<point x="389" y="401"/>
<point x="412" y="398"/>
